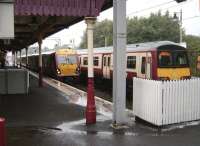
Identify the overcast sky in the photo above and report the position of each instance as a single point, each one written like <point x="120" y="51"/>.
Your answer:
<point x="191" y="21"/>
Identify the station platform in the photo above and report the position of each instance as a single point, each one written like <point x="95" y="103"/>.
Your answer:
<point x="51" y="117"/>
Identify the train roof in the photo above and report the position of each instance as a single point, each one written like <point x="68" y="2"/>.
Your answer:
<point x="149" y="46"/>
<point x="59" y="51"/>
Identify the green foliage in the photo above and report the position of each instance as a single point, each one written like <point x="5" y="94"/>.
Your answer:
<point x="193" y="45"/>
<point x="155" y="28"/>
<point x="102" y="29"/>
<point x="193" y="42"/>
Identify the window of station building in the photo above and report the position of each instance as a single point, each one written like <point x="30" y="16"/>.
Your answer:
<point x="96" y="61"/>
<point x="131" y="62"/>
<point x="143" y="67"/>
<point x="85" y="61"/>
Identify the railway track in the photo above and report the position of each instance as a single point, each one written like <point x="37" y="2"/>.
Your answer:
<point x="103" y="89"/>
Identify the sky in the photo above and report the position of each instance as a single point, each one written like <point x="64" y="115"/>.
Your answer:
<point x="140" y="8"/>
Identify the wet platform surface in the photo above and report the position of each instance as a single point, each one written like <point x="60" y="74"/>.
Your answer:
<point x="47" y="117"/>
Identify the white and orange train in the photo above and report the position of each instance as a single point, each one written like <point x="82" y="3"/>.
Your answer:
<point x="163" y="60"/>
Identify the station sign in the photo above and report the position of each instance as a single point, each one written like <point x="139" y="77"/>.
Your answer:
<point x="6" y="19"/>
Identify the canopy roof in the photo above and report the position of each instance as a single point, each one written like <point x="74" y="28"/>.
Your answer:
<point x="46" y="17"/>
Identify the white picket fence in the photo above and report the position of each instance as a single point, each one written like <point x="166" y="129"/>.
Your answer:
<point x="166" y="102"/>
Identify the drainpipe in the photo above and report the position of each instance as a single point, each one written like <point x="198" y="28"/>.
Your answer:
<point x="91" y="108"/>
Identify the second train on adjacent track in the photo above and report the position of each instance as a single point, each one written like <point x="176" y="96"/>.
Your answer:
<point x="163" y="60"/>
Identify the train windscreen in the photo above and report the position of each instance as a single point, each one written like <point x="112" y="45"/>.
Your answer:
<point x="71" y="59"/>
<point x="173" y="58"/>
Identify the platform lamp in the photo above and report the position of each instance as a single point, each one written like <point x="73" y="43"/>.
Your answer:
<point x="7" y="19"/>
<point x="179" y="16"/>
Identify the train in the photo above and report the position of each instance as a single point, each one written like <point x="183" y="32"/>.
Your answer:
<point x="161" y="60"/>
<point x="60" y="63"/>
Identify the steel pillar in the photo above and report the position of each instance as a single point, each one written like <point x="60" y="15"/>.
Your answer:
<point x="91" y="108"/>
<point x="27" y="57"/>
<point x="181" y="22"/>
<point x="13" y="58"/>
<point x="20" y="58"/>
<point x="119" y="64"/>
<point x="40" y="61"/>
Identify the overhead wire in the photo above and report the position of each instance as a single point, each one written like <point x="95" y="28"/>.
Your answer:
<point x="159" y="5"/>
<point x="152" y="7"/>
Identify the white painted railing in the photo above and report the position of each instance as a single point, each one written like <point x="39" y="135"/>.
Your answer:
<point x="166" y="102"/>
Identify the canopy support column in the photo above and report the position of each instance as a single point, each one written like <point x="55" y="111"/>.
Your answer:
<point x="91" y="108"/>
<point x="119" y="65"/>
<point x="26" y="57"/>
<point x="13" y="58"/>
<point x="40" y="61"/>
<point x="20" y="58"/>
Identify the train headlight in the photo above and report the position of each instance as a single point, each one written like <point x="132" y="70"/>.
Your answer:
<point x="58" y="71"/>
<point x="78" y="70"/>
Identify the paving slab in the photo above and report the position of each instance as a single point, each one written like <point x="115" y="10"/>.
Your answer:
<point x="47" y="117"/>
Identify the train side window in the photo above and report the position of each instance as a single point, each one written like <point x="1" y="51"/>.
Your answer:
<point x="96" y="61"/>
<point x="143" y="67"/>
<point x="85" y="61"/>
<point x="131" y="62"/>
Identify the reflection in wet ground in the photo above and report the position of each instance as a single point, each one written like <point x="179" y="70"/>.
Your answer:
<point x="48" y="117"/>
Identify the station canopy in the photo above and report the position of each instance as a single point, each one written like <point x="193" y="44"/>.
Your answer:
<point x="35" y="17"/>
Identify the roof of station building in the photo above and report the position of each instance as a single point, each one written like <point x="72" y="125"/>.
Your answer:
<point x="58" y="7"/>
<point x="46" y="17"/>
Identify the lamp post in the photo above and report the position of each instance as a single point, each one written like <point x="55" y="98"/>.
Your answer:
<point x="105" y="40"/>
<point x="180" y="20"/>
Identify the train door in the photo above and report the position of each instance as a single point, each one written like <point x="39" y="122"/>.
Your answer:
<point x="144" y="70"/>
<point x="148" y="67"/>
<point x="106" y="66"/>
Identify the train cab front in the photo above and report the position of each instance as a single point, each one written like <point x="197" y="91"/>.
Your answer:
<point x="173" y="63"/>
<point x="67" y="66"/>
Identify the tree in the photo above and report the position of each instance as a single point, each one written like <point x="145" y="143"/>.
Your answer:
<point x="193" y="42"/>
<point x="103" y="30"/>
<point x="193" y="45"/>
<point x="155" y="28"/>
